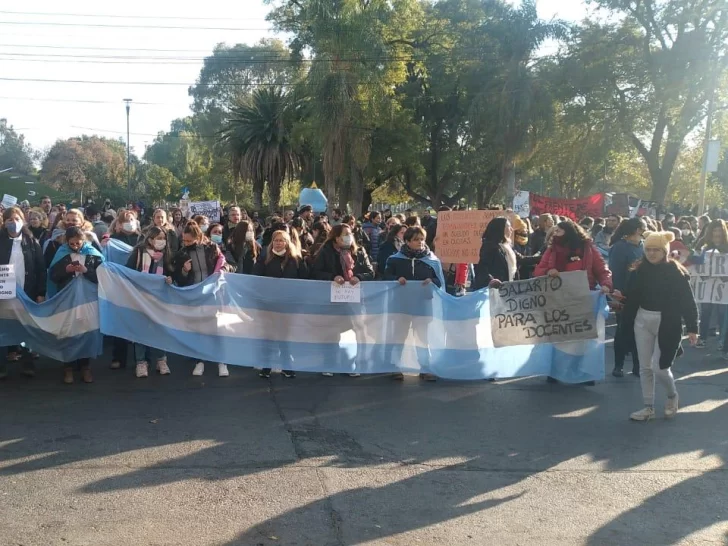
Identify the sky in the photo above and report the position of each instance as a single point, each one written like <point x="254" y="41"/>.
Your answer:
<point x="138" y="50"/>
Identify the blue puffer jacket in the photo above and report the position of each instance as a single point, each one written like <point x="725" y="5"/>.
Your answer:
<point x="621" y="257"/>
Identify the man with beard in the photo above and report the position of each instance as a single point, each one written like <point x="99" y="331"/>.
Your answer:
<point x="604" y="237"/>
<point x="234" y="218"/>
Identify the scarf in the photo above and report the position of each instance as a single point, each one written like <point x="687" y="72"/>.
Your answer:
<point x="415" y="254"/>
<point x="152" y="262"/>
<point x="347" y="264"/>
<point x="86" y="250"/>
<point x="511" y="260"/>
<point x="427" y="257"/>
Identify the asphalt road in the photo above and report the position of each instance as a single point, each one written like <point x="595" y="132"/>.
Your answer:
<point x="182" y="460"/>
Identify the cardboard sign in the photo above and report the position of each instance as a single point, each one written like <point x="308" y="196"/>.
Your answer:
<point x="522" y="204"/>
<point x="460" y="234"/>
<point x="542" y="310"/>
<point x="345" y="293"/>
<point x="8" y="286"/>
<point x="211" y="209"/>
<point x="8" y="201"/>
<point x="576" y="209"/>
<point x="709" y="290"/>
<point x="714" y="264"/>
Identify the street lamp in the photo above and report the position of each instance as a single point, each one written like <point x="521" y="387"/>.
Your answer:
<point x="128" y="149"/>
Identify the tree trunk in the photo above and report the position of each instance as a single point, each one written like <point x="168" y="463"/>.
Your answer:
<point x="274" y="194"/>
<point x="357" y="191"/>
<point x="660" y="182"/>
<point x="258" y="188"/>
<point x="367" y="200"/>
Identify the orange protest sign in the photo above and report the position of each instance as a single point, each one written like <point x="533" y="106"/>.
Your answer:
<point x="459" y="234"/>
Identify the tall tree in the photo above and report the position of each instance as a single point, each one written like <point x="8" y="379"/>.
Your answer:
<point x="258" y="139"/>
<point x="15" y="152"/>
<point x="656" y="68"/>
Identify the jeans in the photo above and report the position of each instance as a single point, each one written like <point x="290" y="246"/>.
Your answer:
<point x="646" y="327"/>
<point x="142" y="353"/>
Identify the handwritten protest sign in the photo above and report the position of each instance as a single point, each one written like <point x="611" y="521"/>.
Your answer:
<point x="211" y="209"/>
<point x="7" y="282"/>
<point x="522" y="204"/>
<point x="8" y="201"/>
<point x="575" y="209"/>
<point x="709" y="280"/>
<point x="345" y="293"/>
<point x="542" y="310"/>
<point x="460" y="233"/>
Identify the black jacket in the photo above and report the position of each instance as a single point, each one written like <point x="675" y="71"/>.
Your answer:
<point x="135" y="262"/>
<point x="668" y="279"/>
<point x="35" y="269"/>
<point x="130" y="239"/>
<point x="494" y="265"/>
<point x="537" y="241"/>
<point x="244" y="264"/>
<point x="419" y="271"/>
<point x="386" y="250"/>
<point x="61" y="277"/>
<point x="211" y="254"/>
<point x="327" y="265"/>
<point x="172" y="241"/>
<point x="275" y="268"/>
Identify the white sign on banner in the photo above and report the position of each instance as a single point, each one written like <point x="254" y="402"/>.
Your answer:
<point x="522" y="204"/>
<point x="211" y="209"/>
<point x="713" y="158"/>
<point x="7" y="282"/>
<point x="542" y="310"/>
<point x="9" y="201"/>
<point x="345" y="293"/>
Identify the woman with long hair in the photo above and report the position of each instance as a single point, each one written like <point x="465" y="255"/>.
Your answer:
<point x="242" y="249"/>
<point x="38" y="224"/>
<point x="160" y="220"/>
<point x="499" y="262"/>
<point x="128" y="230"/>
<point x="625" y="249"/>
<point x="656" y="321"/>
<point x="19" y="248"/>
<point x="716" y="242"/>
<point x="392" y="244"/>
<point x="194" y="262"/>
<point x="154" y="257"/>
<point x="572" y="250"/>
<point x="283" y="261"/>
<point x="178" y="222"/>
<point x="319" y="234"/>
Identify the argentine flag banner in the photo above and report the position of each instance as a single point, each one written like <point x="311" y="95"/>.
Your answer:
<point x="292" y="324"/>
<point x="64" y="328"/>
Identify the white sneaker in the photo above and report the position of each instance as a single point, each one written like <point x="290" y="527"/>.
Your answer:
<point x="645" y="414"/>
<point x="222" y="370"/>
<point x="162" y="367"/>
<point x="142" y="369"/>
<point x="199" y="368"/>
<point x="671" y="406"/>
<point x="327" y="374"/>
<point x="354" y="375"/>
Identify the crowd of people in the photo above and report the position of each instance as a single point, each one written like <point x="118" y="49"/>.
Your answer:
<point x="636" y="261"/>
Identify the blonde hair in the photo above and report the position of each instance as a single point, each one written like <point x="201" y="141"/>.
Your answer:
<point x="292" y="250"/>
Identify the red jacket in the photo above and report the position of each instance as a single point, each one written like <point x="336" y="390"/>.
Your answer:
<point x="592" y="262"/>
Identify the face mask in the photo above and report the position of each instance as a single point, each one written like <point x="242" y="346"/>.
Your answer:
<point x="130" y="226"/>
<point x="15" y="227"/>
<point x="217" y="239"/>
<point x="280" y="252"/>
<point x="685" y="232"/>
<point x="205" y="227"/>
<point x="250" y="237"/>
<point x="159" y="245"/>
<point x="346" y="241"/>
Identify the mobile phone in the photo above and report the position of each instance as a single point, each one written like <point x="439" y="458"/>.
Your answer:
<point x="75" y="262"/>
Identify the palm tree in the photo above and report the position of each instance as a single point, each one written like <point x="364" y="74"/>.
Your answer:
<point x="258" y="141"/>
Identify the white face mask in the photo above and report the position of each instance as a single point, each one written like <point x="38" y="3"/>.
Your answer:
<point x="205" y="227"/>
<point x="250" y="237"/>
<point x="160" y="245"/>
<point x="347" y="241"/>
<point x="280" y="252"/>
<point x="130" y="226"/>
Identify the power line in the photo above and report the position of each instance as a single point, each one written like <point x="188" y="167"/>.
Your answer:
<point x="101" y="48"/>
<point x="41" y="80"/>
<point x="136" y="103"/>
<point x="101" y="25"/>
<point x="110" y="16"/>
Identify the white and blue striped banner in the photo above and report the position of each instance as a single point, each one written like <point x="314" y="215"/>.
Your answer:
<point x="64" y="328"/>
<point x="255" y="321"/>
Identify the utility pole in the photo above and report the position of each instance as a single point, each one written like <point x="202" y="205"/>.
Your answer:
<point x="128" y="149"/>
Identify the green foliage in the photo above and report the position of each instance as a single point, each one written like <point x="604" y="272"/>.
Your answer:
<point x="15" y="153"/>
